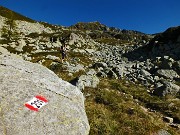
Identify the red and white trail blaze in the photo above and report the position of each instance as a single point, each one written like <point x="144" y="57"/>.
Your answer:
<point x="36" y="103"/>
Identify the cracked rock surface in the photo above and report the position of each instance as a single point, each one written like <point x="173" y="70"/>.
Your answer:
<point x="20" y="82"/>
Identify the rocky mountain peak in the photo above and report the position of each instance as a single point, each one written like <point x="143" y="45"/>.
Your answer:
<point x="90" y="26"/>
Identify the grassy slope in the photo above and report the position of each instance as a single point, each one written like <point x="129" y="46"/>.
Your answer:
<point x="113" y="112"/>
<point x="13" y="15"/>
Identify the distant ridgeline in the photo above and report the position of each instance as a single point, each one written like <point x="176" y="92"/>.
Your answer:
<point x="13" y="15"/>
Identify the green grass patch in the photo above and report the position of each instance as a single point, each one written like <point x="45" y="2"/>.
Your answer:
<point x="162" y="104"/>
<point x="83" y="58"/>
<point x="112" y="112"/>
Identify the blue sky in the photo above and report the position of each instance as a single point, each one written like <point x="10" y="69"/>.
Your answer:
<point x="148" y="16"/>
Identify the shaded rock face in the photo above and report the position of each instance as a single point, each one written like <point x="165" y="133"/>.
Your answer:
<point x="20" y="82"/>
<point x="163" y="44"/>
<point x="171" y="34"/>
<point x="167" y="43"/>
<point x="165" y="87"/>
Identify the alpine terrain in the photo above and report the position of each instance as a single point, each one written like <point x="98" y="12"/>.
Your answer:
<point x="113" y="82"/>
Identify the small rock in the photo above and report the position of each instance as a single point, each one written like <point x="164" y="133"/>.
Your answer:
<point x="175" y="125"/>
<point x="162" y="132"/>
<point x="168" y="119"/>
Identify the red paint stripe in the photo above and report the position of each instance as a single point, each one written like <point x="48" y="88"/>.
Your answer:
<point x="31" y="107"/>
<point x="41" y="98"/>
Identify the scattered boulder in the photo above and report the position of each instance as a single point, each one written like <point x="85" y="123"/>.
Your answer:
<point x="73" y="68"/>
<point x="21" y="44"/>
<point x="28" y="27"/>
<point x="168" y="119"/>
<point x="162" y="132"/>
<point x="100" y="64"/>
<point x="167" y="74"/>
<point x="26" y="57"/>
<point x="119" y="70"/>
<point x="166" y="62"/>
<point x="52" y="57"/>
<point x="144" y="73"/>
<point x="88" y="80"/>
<point x="165" y="87"/>
<point x="76" y="40"/>
<point x="91" y="72"/>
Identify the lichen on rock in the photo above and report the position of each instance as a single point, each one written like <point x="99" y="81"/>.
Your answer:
<point x="20" y="82"/>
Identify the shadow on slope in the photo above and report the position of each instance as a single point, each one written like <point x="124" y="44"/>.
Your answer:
<point x="163" y="44"/>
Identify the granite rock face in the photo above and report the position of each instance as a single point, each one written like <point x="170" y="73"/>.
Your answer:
<point x="20" y="82"/>
<point x="88" y="80"/>
<point x="165" y="87"/>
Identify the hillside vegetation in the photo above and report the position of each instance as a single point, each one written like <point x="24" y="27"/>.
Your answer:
<point x="130" y="80"/>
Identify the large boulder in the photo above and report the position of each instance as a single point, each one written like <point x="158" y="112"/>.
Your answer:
<point x="162" y="132"/>
<point x="20" y="82"/>
<point x="100" y="64"/>
<point x="119" y="70"/>
<point x="166" y="62"/>
<point x="164" y="87"/>
<point x="177" y="66"/>
<point x="3" y="51"/>
<point x="167" y="74"/>
<point x="21" y="44"/>
<point x="77" y="40"/>
<point x="88" y="80"/>
<point x="73" y="68"/>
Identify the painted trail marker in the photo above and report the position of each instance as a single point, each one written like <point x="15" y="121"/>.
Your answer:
<point x="36" y="103"/>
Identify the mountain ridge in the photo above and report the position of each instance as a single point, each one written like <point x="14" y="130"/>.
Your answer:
<point x="5" y="12"/>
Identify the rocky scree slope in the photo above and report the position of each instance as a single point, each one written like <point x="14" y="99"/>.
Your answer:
<point x="150" y="64"/>
<point x="139" y="64"/>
